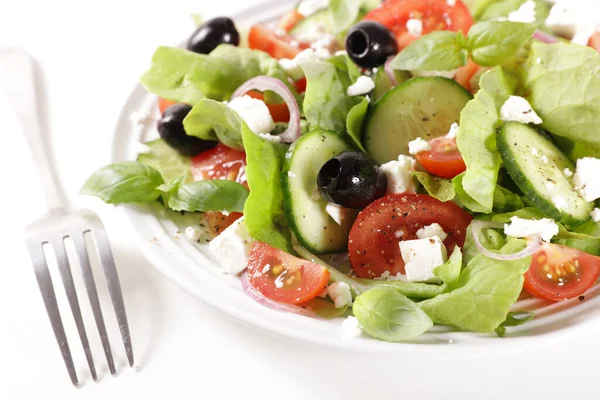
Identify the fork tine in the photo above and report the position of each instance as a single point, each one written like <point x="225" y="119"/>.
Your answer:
<point x="114" y="286"/>
<point x="44" y="280"/>
<point x="67" y="278"/>
<point x="90" y="285"/>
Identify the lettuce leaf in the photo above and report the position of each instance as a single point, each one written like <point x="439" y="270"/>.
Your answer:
<point x="167" y="161"/>
<point x="486" y="290"/>
<point x="227" y="123"/>
<point x="439" y="188"/>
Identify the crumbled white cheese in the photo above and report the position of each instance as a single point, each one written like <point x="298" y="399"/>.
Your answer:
<point x="309" y="7"/>
<point x="414" y="27"/>
<point x="577" y="20"/>
<point x="587" y="178"/>
<point x="595" y="214"/>
<point x="418" y="146"/>
<point x="351" y="328"/>
<point x="432" y="230"/>
<point x="363" y="85"/>
<point x="450" y="74"/>
<point x="421" y="257"/>
<point x="338" y="213"/>
<point x="254" y="112"/>
<point x="386" y="276"/>
<point x="567" y="172"/>
<point x="293" y="67"/>
<point x="232" y="247"/>
<point x="280" y="32"/>
<point x="544" y="228"/>
<point x="192" y="233"/>
<point x="453" y="132"/>
<point x="312" y="33"/>
<point x="341" y="53"/>
<point x="270" y="138"/>
<point x="525" y="13"/>
<point x="399" y="175"/>
<point x="323" y="45"/>
<point x="340" y="294"/>
<point x="518" y="109"/>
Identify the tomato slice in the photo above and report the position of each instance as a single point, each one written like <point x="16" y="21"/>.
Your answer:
<point x="279" y="112"/>
<point x="465" y="74"/>
<point x="436" y="15"/>
<point x="595" y="41"/>
<point x="283" y="277"/>
<point x="163" y="104"/>
<point x="301" y="85"/>
<point x="220" y="162"/>
<point x="443" y="160"/>
<point x="261" y="38"/>
<point x="290" y="20"/>
<point x="374" y="237"/>
<point x="558" y="273"/>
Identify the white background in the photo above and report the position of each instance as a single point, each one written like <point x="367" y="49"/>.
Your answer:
<point x="91" y="54"/>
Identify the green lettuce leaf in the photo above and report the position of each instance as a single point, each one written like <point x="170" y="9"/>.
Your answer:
<point x="501" y="9"/>
<point x="263" y="212"/>
<point x="227" y="123"/>
<point x="476" y="142"/>
<point x="486" y="290"/>
<point x="441" y="189"/>
<point x="187" y="77"/>
<point x="449" y="272"/>
<point x="514" y="319"/>
<point x="491" y="239"/>
<point x="563" y="85"/>
<point x="167" y="161"/>
<point x="354" y="122"/>
<point x="212" y="195"/>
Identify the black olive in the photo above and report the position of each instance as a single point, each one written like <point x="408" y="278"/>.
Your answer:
<point x="369" y="44"/>
<point x="351" y="180"/>
<point x="212" y="33"/>
<point x="170" y="128"/>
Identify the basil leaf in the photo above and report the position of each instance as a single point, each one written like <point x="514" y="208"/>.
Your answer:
<point x="439" y="188"/>
<point x="514" y="319"/>
<point x="124" y="182"/>
<point x="212" y="195"/>
<point x="486" y="290"/>
<point x="493" y="42"/>
<point x="386" y="314"/>
<point x="167" y="161"/>
<point x="226" y="122"/>
<point x="449" y="272"/>
<point x="354" y="122"/>
<point x="437" y="51"/>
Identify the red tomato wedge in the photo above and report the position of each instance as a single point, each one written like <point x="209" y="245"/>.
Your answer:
<point x="595" y="41"/>
<point x="465" y="74"/>
<point x="279" y="112"/>
<point x="261" y="38"/>
<point x="374" y="237"/>
<point x="283" y="277"/>
<point x="163" y="104"/>
<point x="301" y="85"/>
<point x="443" y="160"/>
<point x="560" y="273"/>
<point x="220" y="162"/>
<point x="290" y="20"/>
<point x="436" y="15"/>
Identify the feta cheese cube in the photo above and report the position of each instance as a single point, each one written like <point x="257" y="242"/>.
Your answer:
<point x="338" y="213"/>
<point x="418" y="145"/>
<point x="543" y="228"/>
<point x="351" y="328"/>
<point x="414" y="27"/>
<point x="517" y="109"/>
<point x="399" y="175"/>
<point x="576" y="20"/>
<point x="363" y="85"/>
<point x="421" y="257"/>
<point x="340" y="294"/>
<point x="452" y="132"/>
<point x="595" y="214"/>
<point x="232" y="247"/>
<point x="587" y="178"/>
<point x="309" y="7"/>
<point x="254" y="112"/>
<point x="525" y="13"/>
<point x="432" y="230"/>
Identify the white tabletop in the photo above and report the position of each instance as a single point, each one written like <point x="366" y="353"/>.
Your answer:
<point x="91" y="54"/>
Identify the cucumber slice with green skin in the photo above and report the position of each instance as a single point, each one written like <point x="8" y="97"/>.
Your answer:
<point x="304" y="206"/>
<point x="307" y="25"/>
<point x="537" y="166"/>
<point x="420" y="107"/>
<point x="383" y="83"/>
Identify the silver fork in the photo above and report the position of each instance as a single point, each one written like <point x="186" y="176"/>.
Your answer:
<point x="17" y="78"/>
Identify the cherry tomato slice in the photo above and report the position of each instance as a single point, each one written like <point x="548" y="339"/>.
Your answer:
<point x="163" y="104"/>
<point x="374" y="237"/>
<point x="595" y="41"/>
<point x="465" y="74"/>
<point x="283" y="277"/>
<point x="558" y="273"/>
<point x="436" y="15"/>
<point x="261" y="38"/>
<point x="279" y="112"/>
<point x="443" y="160"/>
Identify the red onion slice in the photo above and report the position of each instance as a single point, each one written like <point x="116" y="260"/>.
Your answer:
<point x="257" y="296"/>
<point x="533" y="244"/>
<point x="263" y="83"/>
<point x="390" y="71"/>
<point x="545" y="37"/>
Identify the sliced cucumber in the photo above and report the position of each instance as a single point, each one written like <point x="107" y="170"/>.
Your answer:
<point x="306" y="27"/>
<point x="383" y="84"/>
<point x="537" y="166"/>
<point x="419" y="107"/>
<point x="304" y="205"/>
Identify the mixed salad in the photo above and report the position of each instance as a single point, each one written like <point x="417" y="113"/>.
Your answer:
<point x="399" y="164"/>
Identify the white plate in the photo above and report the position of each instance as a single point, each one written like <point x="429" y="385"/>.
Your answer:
<point x="191" y="267"/>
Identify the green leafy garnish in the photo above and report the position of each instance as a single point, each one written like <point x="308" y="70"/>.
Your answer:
<point x="213" y="195"/>
<point x="227" y="123"/>
<point x="439" y="188"/>
<point x="167" y="161"/>
<point x="449" y="272"/>
<point x="514" y="319"/>
<point x="354" y="122"/>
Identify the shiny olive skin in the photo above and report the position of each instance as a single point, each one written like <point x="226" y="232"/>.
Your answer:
<point x="170" y="128"/>
<point x="212" y="33"/>
<point x="369" y="44"/>
<point x="351" y="180"/>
